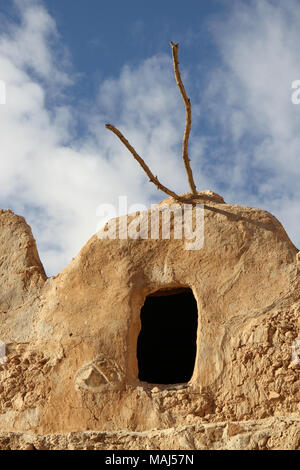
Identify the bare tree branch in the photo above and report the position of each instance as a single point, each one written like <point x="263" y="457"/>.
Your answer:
<point x="185" y="155"/>
<point x="145" y="167"/>
<point x="188" y="121"/>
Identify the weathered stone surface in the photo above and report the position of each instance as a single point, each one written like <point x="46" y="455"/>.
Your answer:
<point x="71" y="339"/>
<point x="21" y="272"/>
<point x="266" y="434"/>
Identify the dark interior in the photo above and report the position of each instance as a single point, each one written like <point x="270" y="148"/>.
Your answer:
<point x="166" y="347"/>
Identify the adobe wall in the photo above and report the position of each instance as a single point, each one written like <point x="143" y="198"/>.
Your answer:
<point x="71" y="339"/>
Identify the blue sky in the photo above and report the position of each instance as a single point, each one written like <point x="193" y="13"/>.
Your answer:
<point x="70" y="66"/>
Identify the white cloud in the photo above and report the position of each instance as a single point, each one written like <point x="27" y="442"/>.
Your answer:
<point x="57" y="182"/>
<point x="249" y="96"/>
<point x="26" y="46"/>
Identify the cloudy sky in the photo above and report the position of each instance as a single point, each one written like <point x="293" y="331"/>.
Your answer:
<point x="71" y="66"/>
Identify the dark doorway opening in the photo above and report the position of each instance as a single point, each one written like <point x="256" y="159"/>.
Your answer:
<point x="166" y="347"/>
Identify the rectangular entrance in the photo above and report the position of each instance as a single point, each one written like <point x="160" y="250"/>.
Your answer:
<point x="166" y="347"/>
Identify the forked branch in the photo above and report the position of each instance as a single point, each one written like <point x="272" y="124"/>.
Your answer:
<point x="185" y="155"/>
<point x="188" y="120"/>
<point x="145" y="167"/>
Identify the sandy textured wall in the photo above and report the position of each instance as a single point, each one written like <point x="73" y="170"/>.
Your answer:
<point x="71" y="340"/>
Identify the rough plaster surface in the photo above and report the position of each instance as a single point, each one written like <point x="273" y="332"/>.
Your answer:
<point x="70" y="377"/>
<point x="266" y="434"/>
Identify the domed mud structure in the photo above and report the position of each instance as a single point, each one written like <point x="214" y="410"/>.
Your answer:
<point x="142" y="334"/>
